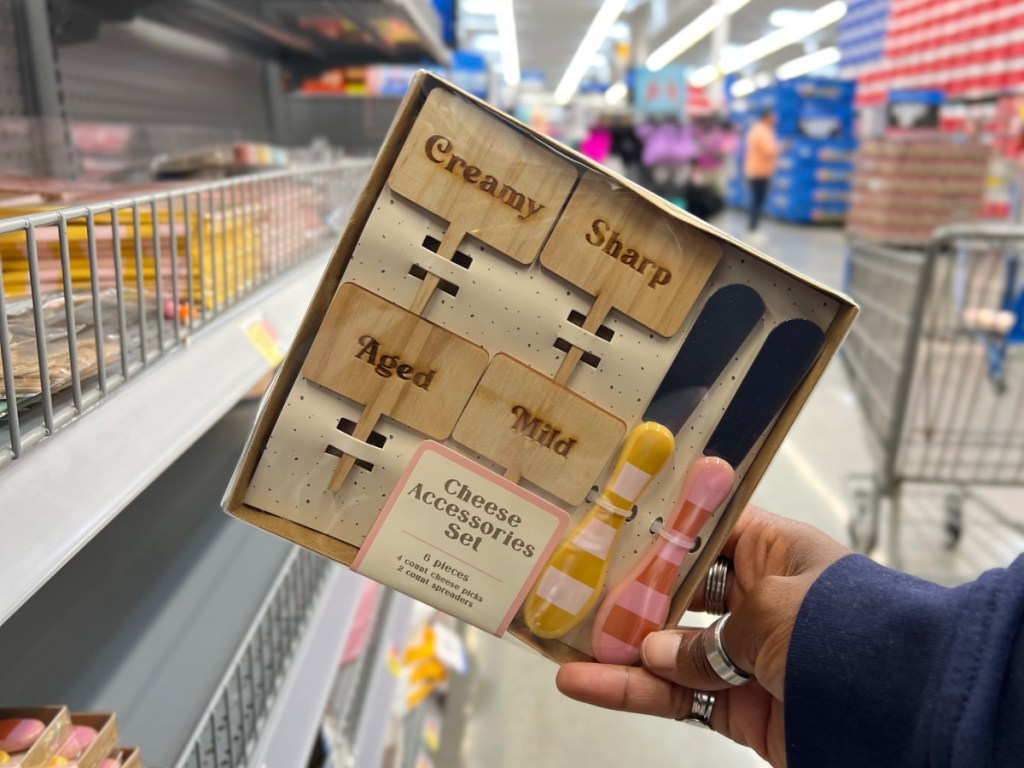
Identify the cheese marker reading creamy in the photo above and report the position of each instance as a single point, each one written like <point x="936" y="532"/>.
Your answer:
<point x="439" y="149"/>
<point x="572" y="580"/>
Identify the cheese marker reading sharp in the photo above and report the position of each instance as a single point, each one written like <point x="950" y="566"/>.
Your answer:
<point x="615" y="248"/>
<point x="439" y="149"/>
<point x="483" y="527"/>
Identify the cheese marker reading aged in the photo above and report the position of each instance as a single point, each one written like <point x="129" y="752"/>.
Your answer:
<point x="395" y="364"/>
<point x="440" y="150"/>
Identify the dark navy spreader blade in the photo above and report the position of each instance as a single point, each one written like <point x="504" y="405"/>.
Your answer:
<point x="724" y="323"/>
<point x="781" y="364"/>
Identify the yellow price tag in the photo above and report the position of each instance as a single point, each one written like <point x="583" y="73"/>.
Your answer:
<point x="264" y="339"/>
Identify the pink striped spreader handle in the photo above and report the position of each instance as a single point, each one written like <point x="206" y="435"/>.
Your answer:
<point x="639" y="604"/>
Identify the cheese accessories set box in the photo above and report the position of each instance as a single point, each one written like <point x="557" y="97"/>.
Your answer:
<point x="528" y="392"/>
<point x="46" y="737"/>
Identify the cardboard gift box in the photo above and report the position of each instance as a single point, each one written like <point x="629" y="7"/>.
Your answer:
<point x="511" y="364"/>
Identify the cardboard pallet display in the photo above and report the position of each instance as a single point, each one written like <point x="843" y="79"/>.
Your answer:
<point x="464" y="412"/>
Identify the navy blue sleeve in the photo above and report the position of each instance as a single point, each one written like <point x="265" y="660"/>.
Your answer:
<point x="885" y="669"/>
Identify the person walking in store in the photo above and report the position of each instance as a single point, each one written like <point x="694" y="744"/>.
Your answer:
<point x="760" y="156"/>
<point x="824" y="658"/>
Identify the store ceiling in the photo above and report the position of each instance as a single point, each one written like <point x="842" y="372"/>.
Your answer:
<point x="550" y="30"/>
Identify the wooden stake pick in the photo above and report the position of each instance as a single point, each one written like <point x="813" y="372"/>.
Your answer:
<point x="598" y="312"/>
<point x="450" y="241"/>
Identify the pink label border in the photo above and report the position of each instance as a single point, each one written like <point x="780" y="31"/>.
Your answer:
<point x="530" y="498"/>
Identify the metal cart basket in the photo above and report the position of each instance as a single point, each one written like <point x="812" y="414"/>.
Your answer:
<point x="938" y="368"/>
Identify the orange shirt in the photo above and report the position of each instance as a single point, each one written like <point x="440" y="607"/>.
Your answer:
<point x="761" y="153"/>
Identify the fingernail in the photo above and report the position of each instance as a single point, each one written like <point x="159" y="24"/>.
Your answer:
<point x="660" y="650"/>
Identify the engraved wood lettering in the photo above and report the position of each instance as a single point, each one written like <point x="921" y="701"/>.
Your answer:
<point x="440" y="150"/>
<point x="387" y="365"/>
<point x="601" y="235"/>
<point x="542" y="433"/>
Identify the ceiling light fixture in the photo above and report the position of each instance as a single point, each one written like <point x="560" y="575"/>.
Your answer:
<point x="783" y="17"/>
<point x="616" y="92"/>
<point x="683" y="40"/>
<point x="809" y="63"/>
<point x="793" y="33"/>
<point x="742" y="88"/>
<point x="596" y="34"/>
<point x="704" y="76"/>
<point x="505" y="18"/>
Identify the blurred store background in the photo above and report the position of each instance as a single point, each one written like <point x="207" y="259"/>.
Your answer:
<point x="173" y="176"/>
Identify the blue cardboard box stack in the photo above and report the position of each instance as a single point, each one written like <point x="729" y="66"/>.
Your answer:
<point x="815" y="120"/>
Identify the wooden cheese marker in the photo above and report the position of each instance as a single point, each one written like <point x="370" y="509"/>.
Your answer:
<point x="484" y="177"/>
<point x="629" y="256"/>
<point x="538" y="430"/>
<point x="640" y="603"/>
<point x="393" y="362"/>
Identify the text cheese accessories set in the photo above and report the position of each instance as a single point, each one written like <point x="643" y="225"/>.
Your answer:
<point x="528" y="392"/>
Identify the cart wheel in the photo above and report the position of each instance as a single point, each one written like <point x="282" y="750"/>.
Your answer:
<point x="863" y="527"/>
<point x="954" y="520"/>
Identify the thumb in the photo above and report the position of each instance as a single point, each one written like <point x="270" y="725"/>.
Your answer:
<point x="755" y="639"/>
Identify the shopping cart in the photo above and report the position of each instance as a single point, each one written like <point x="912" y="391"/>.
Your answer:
<point x="937" y="363"/>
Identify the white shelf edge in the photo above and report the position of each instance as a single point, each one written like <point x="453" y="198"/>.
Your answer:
<point x="373" y="722"/>
<point x="63" y="492"/>
<point x="299" y="708"/>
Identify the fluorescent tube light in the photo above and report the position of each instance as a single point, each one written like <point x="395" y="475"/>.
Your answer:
<point x="592" y="40"/>
<point x="692" y="33"/>
<point x="805" y="64"/>
<point x="820" y="19"/>
<point x="762" y="79"/>
<point x="505" y="18"/>
<point x="686" y="38"/>
<point x="742" y="88"/>
<point x="731" y="6"/>
<point x="783" y="17"/>
<point x="704" y="76"/>
<point x="616" y="92"/>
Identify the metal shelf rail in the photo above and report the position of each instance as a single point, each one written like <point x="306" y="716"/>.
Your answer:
<point x="237" y="715"/>
<point x="158" y="267"/>
<point x="187" y="367"/>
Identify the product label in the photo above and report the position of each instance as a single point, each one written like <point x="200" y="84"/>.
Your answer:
<point x="461" y="538"/>
<point x="265" y="340"/>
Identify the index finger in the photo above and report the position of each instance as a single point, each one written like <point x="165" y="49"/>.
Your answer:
<point x="753" y="520"/>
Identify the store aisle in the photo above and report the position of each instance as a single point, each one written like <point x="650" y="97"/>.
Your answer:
<point x="509" y="713"/>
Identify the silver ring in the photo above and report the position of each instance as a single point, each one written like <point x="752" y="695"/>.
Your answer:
<point x="700" y="709"/>
<point x="718" y="658"/>
<point x="714" y="592"/>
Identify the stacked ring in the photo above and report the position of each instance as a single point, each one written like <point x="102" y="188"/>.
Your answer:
<point x="718" y="658"/>
<point x="714" y="592"/>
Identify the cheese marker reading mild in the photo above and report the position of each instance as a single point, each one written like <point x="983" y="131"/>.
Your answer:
<point x="640" y="604"/>
<point x="572" y="580"/>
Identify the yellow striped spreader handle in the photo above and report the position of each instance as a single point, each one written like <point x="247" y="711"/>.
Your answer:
<point x="571" y="581"/>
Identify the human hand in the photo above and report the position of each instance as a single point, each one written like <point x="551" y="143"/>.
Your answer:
<point x="775" y="562"/>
